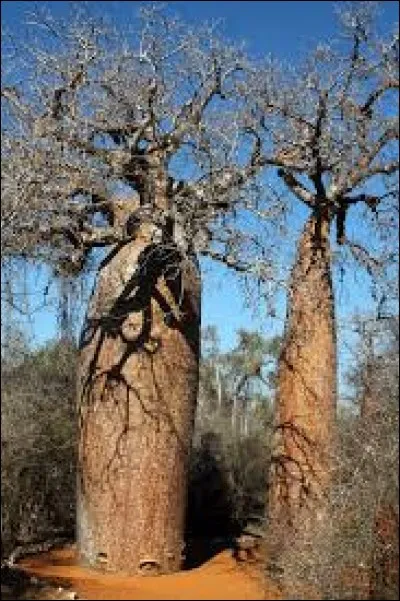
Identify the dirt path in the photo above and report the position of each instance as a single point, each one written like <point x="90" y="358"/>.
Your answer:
<point x="219" y="578"/>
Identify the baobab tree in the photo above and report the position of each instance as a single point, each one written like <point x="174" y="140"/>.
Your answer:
<point x="133" y="146"/>
<point x="332" y="126"/>
<point x="153" y="147"/>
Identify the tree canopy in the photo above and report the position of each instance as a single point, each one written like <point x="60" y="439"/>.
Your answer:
<point x="103" y="130"/>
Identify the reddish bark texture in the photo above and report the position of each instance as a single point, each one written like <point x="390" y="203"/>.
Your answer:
<point x="137" y="395"/>
<point x="384" y="583"/>
<point x="306" y="394"/>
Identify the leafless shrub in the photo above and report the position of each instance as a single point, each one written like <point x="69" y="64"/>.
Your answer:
<point x="231" y="447"/>
<point x="38" y="447"/>
<point x="228" y="477"/>
<point x="353" y="552"/>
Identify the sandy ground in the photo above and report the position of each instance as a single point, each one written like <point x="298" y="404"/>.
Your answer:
<point x="221" y="577"/>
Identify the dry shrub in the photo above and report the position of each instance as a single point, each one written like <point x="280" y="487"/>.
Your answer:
<point x="228" y="477"/>
<point x="353" y="553"/>
<point x="38" y="447"/>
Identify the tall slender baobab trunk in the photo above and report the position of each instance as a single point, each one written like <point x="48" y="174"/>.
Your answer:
<point x="137" y="394"/>
<point x="306" y="393"/>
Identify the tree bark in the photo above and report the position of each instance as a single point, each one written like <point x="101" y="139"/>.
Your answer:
<point x="384" y="577"/>
<point x="137" y="391"/>
<point x="306" y="392"/>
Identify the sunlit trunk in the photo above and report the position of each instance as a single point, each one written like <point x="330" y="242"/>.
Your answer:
<point x="219" y="388"/>
<point x="246" y="410"/>
<point x="234" y="414"/>
<point x="138" y="385"/>
<point x="306" y="393"/>
<point x="369" y="410"/>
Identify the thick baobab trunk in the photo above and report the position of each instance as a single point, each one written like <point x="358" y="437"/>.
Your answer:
<point x="137" y="394"/>
<point x="306" y="393"/>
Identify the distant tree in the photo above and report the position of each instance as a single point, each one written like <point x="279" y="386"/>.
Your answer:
<point x="14" y="307"/>
<point x="250" y="370"/>
<point x="236" y="383"/>
<point x="211" y="385"/>
<point x="230" y="456"/>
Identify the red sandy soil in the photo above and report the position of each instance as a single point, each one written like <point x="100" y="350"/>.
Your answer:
<point x="221" y="577"/>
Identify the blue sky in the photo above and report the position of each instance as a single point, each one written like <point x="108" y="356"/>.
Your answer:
<point x="286" y="29"/>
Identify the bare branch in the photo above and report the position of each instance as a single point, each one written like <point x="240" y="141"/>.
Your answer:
<point x="294" y="185"/>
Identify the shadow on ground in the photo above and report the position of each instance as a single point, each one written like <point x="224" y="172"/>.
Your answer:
<point x="201" y="550"/>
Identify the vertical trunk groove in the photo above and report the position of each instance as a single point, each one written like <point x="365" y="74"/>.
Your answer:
<point x="137" y="393"/>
